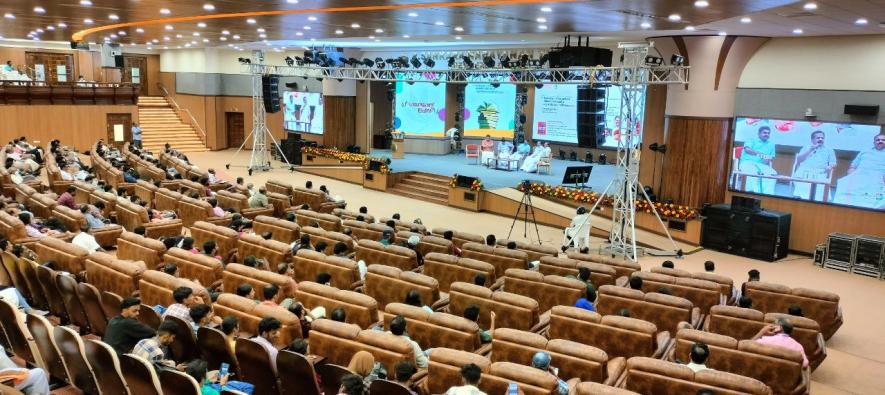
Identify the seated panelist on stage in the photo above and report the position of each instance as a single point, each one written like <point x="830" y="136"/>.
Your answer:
<point x="530" y="164"/>
<point x="488" y="150"/>
<point x="757" y="157"/>
<point x="813" y="162"/>
<point x="865" y="183"/>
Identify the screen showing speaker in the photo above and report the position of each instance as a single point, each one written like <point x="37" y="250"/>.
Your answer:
<point x="615" y="123"/>
<point x="555" y="109"/>
<point x="303" y="112"/>
<point x="420" y="106"/>
<point x="489" y="109"/>
<point x="838" y="163"/>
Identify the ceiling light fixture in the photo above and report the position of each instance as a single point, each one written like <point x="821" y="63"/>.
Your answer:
<point x="541" y="20"/>
<point x="413" y="14"/>
<point x="355" y="25"/>
<point x="178" y="36"/>
<point x="674" y="18"/>
<point x="9" y="15"/>
<point x="299" y="34"/>
<point x="165" y="11"/>
<point x="723" y="33"/>
<point x="546" y="9"/>
<point x="121" y="32"/>
<point x="645" y="25"/>
<point x="86" y="3"/>
<point x="689" y="28"/>
<point x="439" y="23"/>
<point x="50" y="28"/>
<point x="810" y="6"/>
<point x="406" y="36"/>
<point x="262" y="35"/>
<point x="250" y="21"/>
<point x="746" y="19"/>
<point x="542" y="27"/>
<point x="701" y="3"/>
<point x="61" y="25"/>
<point x="459" y="29"/>
<point x="169" y="27"/>
<point x="339" y="31"/>
<point x="798" y="31"/>
<point x="113" y="17"/>
<point x="208" y="7"/>
<point x="196" y="34"/>
<point x="223" y="38"/>
<point x="236" y="36"/>
<point x="379" y="30"/>
<point x="201" y="25"/>
<point x="166" y="38"/>
<point x="307" y="27"/>
<point x="292" y="1"/>
<point x="371" y="37"/>
<point x="225" y="32"/>
<point x="139" y="30"/>
<point x="260" y="30"/>
<point x="39" y="10"/>
<point x="457" y="37"/>
<point x="312" y="18"/>
<point x="88" y="21"/>
<point x="861" y="21"/>
<point x="205" y="40"/>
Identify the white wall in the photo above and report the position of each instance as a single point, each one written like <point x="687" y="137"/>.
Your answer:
<point x="835" y="63"/>
<point x="211" y="60"/>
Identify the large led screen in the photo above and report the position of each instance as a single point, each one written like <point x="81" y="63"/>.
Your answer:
<point x="420" y="106"/>
<point x="489" y="109"/>
<point x="555" y="113"/>
<point x="303" y="112"/>
<point x="613" y="118"/>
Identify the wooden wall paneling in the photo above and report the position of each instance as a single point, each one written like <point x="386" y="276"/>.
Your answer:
<point x="77" y="125"/>
<point x="50" y="61"/>
<point x="362" y="127"/>
<point x="141" y="63"/>
<point x="695" y="169"/>
<point x="338" y="125"/>
<point x="381" y="107"/>
<point x="653" y="132"/>
<point x="153" y="73"/>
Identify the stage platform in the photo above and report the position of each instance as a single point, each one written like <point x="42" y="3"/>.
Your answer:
<point x="492" y="178"/>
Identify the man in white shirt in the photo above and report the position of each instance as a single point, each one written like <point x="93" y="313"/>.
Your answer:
<point x="86" y="240"/>
<point x="813" y="162"/>
<point x="578" y="233"/>
<point x="471" y="374"/>
<point x="268" y="333"/>
<point x="699" y="354"/>
<point x="398" y="328"/>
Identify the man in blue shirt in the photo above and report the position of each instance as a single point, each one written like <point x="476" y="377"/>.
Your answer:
<point x="541" y="360"/>
<point x="136" y="135"/>
<point x="756" y="158"/>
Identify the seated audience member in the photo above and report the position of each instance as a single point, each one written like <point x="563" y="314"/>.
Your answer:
<point x="795" y="311"/>
<point x="385" y="237"/>
<point x="479" y="279"/>
<point x="290" y="216"/>
<point x="665" y="291"/>
<point x="266" y="235"/>
<point x="328" y="195"/>
<point x="31" y="228"/>
<point x="29" y="381"/>
<point x="324" y="278"/>
<point x="216" y="211"/>
<point x="364" y="210"/>
<point x="587" y="302"/>
<point x="745" y="302"/>
<point x="170" y="269"/>
<point x="259" y="199"/>
<point x="14" y="297"/>
<point x="448" y="236"/>
<point x="391" y="223"/>
<point x="86" y="240"/>
<point x="251" y="189"/>
<point x="709" y="266"/>
<point x="398" y="328"/>
<point x="268" y="333"/>
<point x="491" y="241"/>
<point x="340" y="250"/>
<point x="211" y="249"/>
<point x="91" y="220"/>
<point x="584" y="275"/>
<point x="338" y="315"/>
<point x="212" y="177"/>
<point x="187" y="244"/>
<point x="349" y="233"/>
<point x="511" y="245"/>
<point x="304" y="318"/>
<point x="412" y="244"/>
<point x="699" y="354"/>
<point x="352" y="384"/>
<point x="541" y="361"/>
<point x="308" y="185"/>
<point x="124" y="330"/>
<point x="230" y="326"/>
<point x="403" y="372"/>
<point x="668" y="265"/>
<point x="140" y="230"/>
<point x="245" y="290"/>
<point x="153" y="349"/>
<point x="303" y="242"/>
<point x="198" y="369"/>
<point x="201" y="315"/>
<point x="395" y="216"/>
<point x="779" y="334"/>
<point x="636" y="283"/>
<point x="471" y="374"/>
<point x="288" y="271"/>
<point x="185" y="298"/>
<point x="271" y="294"/>
<point x="752" y="275"/>
<point x="363" y="364"/>
<point x="472" y="313"/>
<point x="413" y="298"/>
<point x="321" y="246"/>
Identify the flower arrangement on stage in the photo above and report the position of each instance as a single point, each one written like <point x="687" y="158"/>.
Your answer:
<point x="347" y="157"/>
<point x="475" y="186"/>
<point x="665" y="210"/>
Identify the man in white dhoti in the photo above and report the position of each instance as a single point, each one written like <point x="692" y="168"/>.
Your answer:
<point x="578" y="232"/>
<point x="505" y="150"/>
<point x="813" y="162"/>
<point x="863" y="186"/>
<point x="756" y="158"/>
<point x="530" y="165"/>
<point x="488" y="150"/>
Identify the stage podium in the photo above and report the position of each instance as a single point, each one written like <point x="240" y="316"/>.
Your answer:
<point x="398" y="147"/>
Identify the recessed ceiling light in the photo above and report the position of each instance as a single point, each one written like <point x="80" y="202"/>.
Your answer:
<point x="50" y="28"/>
<point x="723" y="33"/>
<point x="313" y="39"/>
<point x="701" y="3"/>
<point x="371" y="37"/>
<point x="292" y="1"/>
<point x="169" y="27"/>
<point x="306" y="27"/>
<point x="689" y="28"/>
<point x="457" y="37"/>
<point x="541" y="20"/>
<point x="205" y="40"/>
<point x="165" y="47"/>
<point x="87" y="21"/>
<point x="746" y="19"/>
<point x="406" y="36"/>
<point x="149" y="48"/>
<point x="39" y="30"/>
<point x="166" y="38"/>
<point x="223" y="38"/>
<point x="262" y="35"/>
<point x="39" y="10"/>
<point x="861" y="21"/>
<point x="810" y="6"/>
<point x="155" y="41"/>
<point x="61" y="25"/>
<point x="165" y="11"/>
<point x="113" y="17"/>
<point x="194" y="42"/>
<point x="188" y="45"/>
<point x="299" y="34"/>
<point x="439" y="23"/>
<point x="208" y="7"/>
<point x="196" y="34"/>
<point x="225" y="32"/>
<point x="413" y="14"/>
<point x="236" y="36"/>
<point x="542" y="27"/>
<point x="339" y="31"/>
<point x="312" y="18"/>
<point x="201" y="24"/>
<point x="355" y="25"/>
<point x="546" y="9"/>
<point x="112" y="35"/>
<point x="674" y="18"/>
<point x="122" y="33"/>
<point x="798" y="31"/>
<point x="250" y="21"/>
<point x="178" y="36"/>
<point x="645" y="25"/>
<point x="139" y="30"/>
<point x="86" y="3"/>
<point x="260" y="30"/>
<point x="379" y="30"/>
<point x="459" y="29"/>
<point x="377" y="40"/>
<point x="9" y="15"/>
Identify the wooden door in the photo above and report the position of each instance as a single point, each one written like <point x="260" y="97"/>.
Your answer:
<point x="236" y="128"/>
<point x="119" y="119"/>
<point x="50" y="62"/>
<point x="139" y="63"/>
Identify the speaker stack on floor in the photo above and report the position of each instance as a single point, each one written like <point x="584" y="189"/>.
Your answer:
<point x="859" y="254"/>
<point x="743" y="228"/>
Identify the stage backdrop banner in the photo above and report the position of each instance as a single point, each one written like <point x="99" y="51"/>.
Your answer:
<point x="420" y="106"/>
<point x="303" y="112"/>
<point x="613" y="121"/>
<point x="556" y="109"/>
<point x="489" y="110"/>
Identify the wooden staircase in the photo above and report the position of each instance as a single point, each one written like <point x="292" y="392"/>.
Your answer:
<point x="424" y="186"/>
<point x="160" y="124"/>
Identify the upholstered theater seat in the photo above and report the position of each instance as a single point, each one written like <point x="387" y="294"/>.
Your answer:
<point x="445" y="367"/>
<point x="156" y="288"/>
<point x="274" y="252"/>
<point x="307" y="218"/>
<point x="250" y="314"/>
<point x="201" y="267"/>
<point x="41" y="205"/>
<point x="373" y="253"/>
<point x="69" y="257"/>
<point x="665" y="311"/>
<point x="360" y="309"/>
<point x="329" y="237"/>
<point x="549" y="291"/>
<point x="338" y="342"/>
<point x="131" y="216"/>
<point x="282" y="204"/>
<point x="534" y="251"/>
<point x="366" y="231"/>
<point x="279" y="186"/>
<point x="460" y="238"/>
<point x="618" y="336"/>
<point x="388" y="284"/>
<point x="315" y="199"/>
<point x="145" y="191"/>
<point x="193" y="210"/>
<point x="512" y="310"/>
<point x="702" y="294"/>
<point x="108" y="273"/>
<point x="166" y="199"/>
<point x="449" y="269"/>
<point x="622" y="266"/>
<point x="308" y="264"/>
<point x="501" y="258"/>
<point x="352" y="215"/>
<point x="591" y="388"/>
<point x="281" y="229"/>
<point x="240" y="203"/>
<point x="599" y="274"/>
<point x="134" y="247"/>
<point x="656" y="377"/>
<point x="106" y="236"/>
<point x="225" y="238"/>
<point x="427" y="243"/>
<point x="821" y="306"/>
<point x="433" y="330"/>
<point x="235" y="274"/>
<point x="405" y="226"/>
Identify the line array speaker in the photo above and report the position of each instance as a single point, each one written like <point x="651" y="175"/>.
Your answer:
<point x="270" y="86"/>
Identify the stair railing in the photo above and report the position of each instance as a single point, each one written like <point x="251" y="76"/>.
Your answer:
<point x="182" y="111"/>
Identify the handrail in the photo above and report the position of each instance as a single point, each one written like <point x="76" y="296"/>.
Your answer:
<point x="178" y="109"/>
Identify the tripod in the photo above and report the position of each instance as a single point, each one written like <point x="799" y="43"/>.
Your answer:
<point x="528" y="210"/>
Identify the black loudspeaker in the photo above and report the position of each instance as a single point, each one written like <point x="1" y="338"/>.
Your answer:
<point x="580" y="56"/>
<point x="591" y="116"/>
<point x="763" y="235"/>
<point x="588" y="157"/>
<point x="748" y="204"/>
<point x="118" y="61"/>
<point x="856" y="109"/>
<point x="270" y="86"/>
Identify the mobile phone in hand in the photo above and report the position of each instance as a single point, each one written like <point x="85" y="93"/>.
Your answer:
<point x="223" y="371"/>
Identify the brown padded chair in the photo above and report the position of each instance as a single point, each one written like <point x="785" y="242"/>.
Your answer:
<point x="360" y="309"/>
<point x="665" y="311"/>
<point x="67" y="287"/>
<point x="726" y="284"/>
<point x="501" y="258"/>
<point x="449" y="269"/>
<point x="139" y="375"/>
<point x="165" y="199"/>
<point x="281" y="229"/>
<point x="437" y="329"/>
<point x="225" y="238"/>
<point x="11" y="266"/>
<point x="69" y="257"/>
<point x="192" y="210"/>
<point x="279" y="186"/>
<point x="256" y="367"/>
<point x="373" y="252"/>
<point x="134" y="247"/>
<point x="28" y="271"/>
<point x="41" y="330"/>
<point x="622" y="266"/>
<point x="460" y="238"/>
<point x="779" y="368"/>
<point x="106" y="367"/>
<point x="214" y="348"/>
<point x="405" y="226"/>
<point x="535" y="252"/>
<point x="282" y="204"/>
<point x="306" y="218"/>
<point x="807" y="332"/>
<point x="445" y="367"/>
<point x="315" y="199"/>
<point x="145" y="191"/>
<point x="156" y="288"/>
<point x="240" y="203"/>
<point x="53" y="176"/>
<point x="250" y="314"/>
<point x="512" y="310"/>
<point x="110" y="302"/>
<point x="108" y="199"/>
<point x="150" y="317"/>
<point x="308" y="264"/>
<point x="821" y="306"/>
<point x="174" y="382"/>
<point x="331" y="376"/>
<point x="300" y="378"/>
<point x="184" y="347"/>
<point x="387" y="387"/>
<point x="23" y="191"/>
<point x="366" y="231"/>
<point x="338" y="341"/>
<point x="701" y="293"/>
<point x="70" y="347"/>
<point x="115" y="275"/>
<point x="427" y="243"/>
<point x="549" y="291"/>
<point x="656" y="377"/>
<point x="14" y="230"/>
<point x="330" y="238"/>
<point x="46" y="276"/>
<point x="574" y="360"/>
<point x="274" y="252"/>
<point x="192" y="187"/>
<point x="591" y="388"/>
<point x="388" y="284"/>
<point x="201" y="267"/>
<point x="90" y="300"/>
<point x="618" y="336"/>
<point x="236" y="274"/>
<point x="599" y="274"/>
<point x="352" y="215"/>
<point x="41" y="205"/>
<point x="131" y="216"/>
<point x="12" y="323"/>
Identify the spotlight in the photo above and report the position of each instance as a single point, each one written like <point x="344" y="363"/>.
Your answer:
<point x="654" y="60"/>
<point x="523" y="60"/>
<point x="410" y="81"/>
<point x="539" y="85"/>
<point x="496" y="84"/>
<point x="429" y="62"/>
<point x="379" y="62"/>
<point x="415" y="62"/>
<point x="289" y="61"/>
<point x="403" y="61"/>
<point x="368" y="62"/>
<point x="451" y="61"/>
<point x="354" y="61"/>
<point x="467" y="61"/>
<point x="435" y="83"/>
<point x="505" y="61"/>
<point x="320" y="79"/>
<point x="244" y="60"/>
<point x="662" y="148"/>
<point x="544" y="58"/>
<point x="677" y="60"/>
<point x="488" y="61"/>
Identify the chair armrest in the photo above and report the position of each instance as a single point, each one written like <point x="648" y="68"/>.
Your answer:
<point x="621" y="281"/>
<point x="663" y="341"/>
<point x="614" y="369"/>
<point x="497" y="285"/>
<point x="215" y="284"/>
<point x="439" y="304"/>
<point x="357" y="284"/>
<point x="696" y="317"/>
<point x="543" y="323"/>
<point x="169" y="227"/>
<point x="806" y="381"/>
<point x="573" y="384"/>
<point x="485" y="350"/>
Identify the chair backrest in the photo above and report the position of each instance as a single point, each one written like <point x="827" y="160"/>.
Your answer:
<point x="338" y="341"/>
<point x="427" y="243"/>
<point x="67" y="286"/>
<point x="617" y="336"/>
<point x="256" y="367"/>
<point x="821" y="306"/>
<point x="28" y="270"/>
<point x="623" y="267"/>
<point x="373" y="252"/>
<point x="106" y="367"/>
<point x="133" y="247"/>
<point x="140" y="376"/>
<point x="13" y="325"/>
<point x="701" y="293"/>
<point x="250" y="314"/>
<point x="184" y="347"/>
<point x="110" y="303"/>
<point x="300" y="378"/>
<point x="70" y="258"/>
<point x="534" y="251"/>
<point x="281" y="229"/>
<point x="331" y="375"/>
<point x="360" y="309"/>
<point x="665" y="311"/>
<point x="191" y="210"/>
<point x="571" y="358"/>
<point x="165" y="199"/>
<point x="591" y="388"/>
<point x="435" y="330"/>
<point x="328" y="237"/>
<point x="599" y="274"/>
<point x="274" y="252"/>
<point x="10" y="266"/>
<point x="70" y="347"/>
<point x="201" y="267"/>
<point x="512" y="310"/>
<point x="654" y="377"/>
<point x="388" y="284"/>
<point x="108" y="273"/>
<point x="549" y="291"/>
<point x="225" y="238"/>
<point x="178" y="383"/>
<point x="46" y="276"/>
<point x="215" y="349"/>
<point x="736" y="322"/>
<point x="449" y="269"/>
<point x="90" y="301"/>
<point x="281" y="203"/>
<point x="387" y="387"/>
<point x="308" y="264"/>
<point x="156" y="288"/>
<point x="501" y="258"/>
<point x="236" y="274"/>
<point x="41" y="330"/>
<point x="148" y="316"/>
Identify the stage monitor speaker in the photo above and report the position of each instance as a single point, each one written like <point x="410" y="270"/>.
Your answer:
<point x="270" y="87"/>
<point x="760" y="235"/>
<point x="748" y="204"/>
<point x="857" y="109"/>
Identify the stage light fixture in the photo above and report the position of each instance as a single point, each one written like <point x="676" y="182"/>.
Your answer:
<point x="544" y="58"/>
<point x="435" y="83"/>
<point x="289" y="61"/>
<point x="416" y="63"/>
<point x="523" y="60"/>
<point x="429" y="62"/>
<point x="368" y="62"/>
<point x="451" y="61"/>
<point x="244" y="60"/>
<point x="662" y="148"/>
<point x="488" y="61"/>
<point x="467" y="61"/>
<point x="496" y="84"/>
<point x="651" y="60"/>
<point x="539" y="85"/>
<point x="403" y="61"/>
<point x="410" y="81"/>
<point x="677" y="60"/>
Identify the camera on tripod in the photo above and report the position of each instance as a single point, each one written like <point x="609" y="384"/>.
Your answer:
<point x="526" y="185"/>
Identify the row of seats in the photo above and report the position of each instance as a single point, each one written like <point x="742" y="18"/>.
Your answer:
<point x="299" y="196"/>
